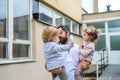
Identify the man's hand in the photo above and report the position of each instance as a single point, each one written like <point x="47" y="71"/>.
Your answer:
<point x="57" y="71"/>
<point x="54" y="71"/>
<point x="85" y="65"/>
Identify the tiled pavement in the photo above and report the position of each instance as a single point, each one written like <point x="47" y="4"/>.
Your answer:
<point x="112" y="72"/>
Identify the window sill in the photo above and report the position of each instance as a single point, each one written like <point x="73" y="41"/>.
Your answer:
<point x="14" y="61"/>
<point x="43" y="22"/>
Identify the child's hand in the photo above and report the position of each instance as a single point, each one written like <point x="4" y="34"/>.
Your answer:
<point x="81" y="46"/>
<point x="72" y="43"/>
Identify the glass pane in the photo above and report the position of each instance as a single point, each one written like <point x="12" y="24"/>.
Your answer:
<point x="21" y="19"/>
<point x="100" y="43"/>
<point x="20" y="50"/>
<point x="75" y="28"/>
<point x="3" y="50"/>
<point x="45" y="14"/>
<point x="58" y="20"/>
<point x="114" y="26"/>
<point x="3" y="17"/>
<point x="115" y="42"/>
<point x="67" y="22"/>
<point x="98" y="25"/>
<point x="35" y="9"/>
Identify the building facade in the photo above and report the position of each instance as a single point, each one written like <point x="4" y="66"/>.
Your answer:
<point x="21" y="26"/>
<point x="22" y="23"/>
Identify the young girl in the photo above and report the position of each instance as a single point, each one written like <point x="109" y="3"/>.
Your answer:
<point x="87" y="50"/>
<point x="54" y="62"/>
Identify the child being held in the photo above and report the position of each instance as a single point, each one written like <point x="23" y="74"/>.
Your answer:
<point x="86" y="50"/>
<point x="54" y="61"/>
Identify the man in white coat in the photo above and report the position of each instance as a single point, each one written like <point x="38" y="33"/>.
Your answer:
<point x="71" y="57"/>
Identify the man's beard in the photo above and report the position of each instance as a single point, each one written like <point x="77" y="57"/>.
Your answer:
<point x="63" y="40"/>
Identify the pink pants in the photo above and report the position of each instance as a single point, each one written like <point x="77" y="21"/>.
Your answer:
<point x="79" y="72"/>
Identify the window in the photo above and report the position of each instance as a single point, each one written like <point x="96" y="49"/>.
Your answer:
<point x="101" y="43"/>
<point x="68" y="23"/>
<point x="21" y="19"/>
<point x="3" y="50"/>
<point x="3" y="18"/>
<point x="51" y="17"/>
<point x="46" y="14"/>
<point x="75" y="28"/>
<point x="20" y="50"/>
<point x="114" y="26"/>
<point x="3" y="29"/>
<point x="98" y="25"/>
<point x="114" y="42"/>
<point x="35" y="9"/>
<point x="58" y="19"/>
<point x="21" y="25"/>
<point x="15" y="37"/>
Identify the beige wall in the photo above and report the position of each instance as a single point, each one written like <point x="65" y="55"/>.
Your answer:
<point x="23" y="71"/>
<point x="71" y="8"/>
<point x="42" y="74"/>
<point x="101" y="15"/>
<point x="95" y="6"/>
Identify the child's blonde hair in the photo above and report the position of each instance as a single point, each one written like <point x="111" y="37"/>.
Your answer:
<point x="92" y="32"/>
<point x="48" y="34"/>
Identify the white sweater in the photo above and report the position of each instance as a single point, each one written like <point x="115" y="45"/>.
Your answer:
<point x="53" y="59"/>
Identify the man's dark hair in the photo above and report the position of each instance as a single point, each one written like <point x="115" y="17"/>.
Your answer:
<point x="64" y="27"/>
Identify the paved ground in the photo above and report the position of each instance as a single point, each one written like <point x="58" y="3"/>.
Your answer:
<point x="112" y="72"/>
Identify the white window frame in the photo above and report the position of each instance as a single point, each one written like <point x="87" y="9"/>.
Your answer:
<point x="77" y="28"/>
<point x="48" y="9"/>
<point x="53" y="17"/>
<point x="54" y="21"/>
<point x="11" y="41"/>
<point x="70" y="23"/>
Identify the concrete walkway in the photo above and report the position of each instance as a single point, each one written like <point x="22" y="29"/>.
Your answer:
<point x="112" y="72"/>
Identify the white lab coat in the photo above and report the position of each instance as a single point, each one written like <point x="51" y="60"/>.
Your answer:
<point x="71" y="60"/>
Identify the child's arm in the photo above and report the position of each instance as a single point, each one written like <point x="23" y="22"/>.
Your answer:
<point x="60" y="48"/>
<point x="89" y="58"/>
<point x="86" y="51"/>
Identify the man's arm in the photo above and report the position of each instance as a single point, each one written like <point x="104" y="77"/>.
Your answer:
<point x="55" y="71"/>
